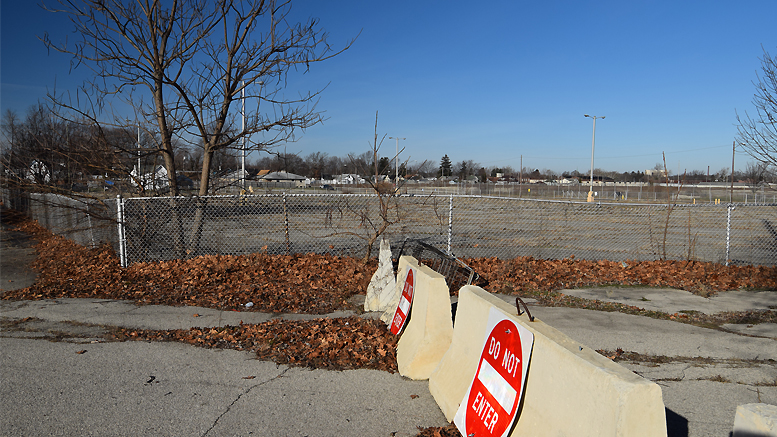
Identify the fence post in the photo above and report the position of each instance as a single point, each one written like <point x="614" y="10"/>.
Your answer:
<point x="731" y="206"/>
<point x="120" y="222"/>
<point x="450" y="222"/>
<point x="286" y="225"/>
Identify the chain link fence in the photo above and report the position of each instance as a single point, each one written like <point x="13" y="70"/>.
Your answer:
<point x="164" y="228"/>
<point x="466" y="226"/>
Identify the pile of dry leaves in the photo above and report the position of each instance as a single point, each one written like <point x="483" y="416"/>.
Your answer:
<point x="333" y="344"/>
<point x="315" y="284"/>
<point x="702" y="278"/>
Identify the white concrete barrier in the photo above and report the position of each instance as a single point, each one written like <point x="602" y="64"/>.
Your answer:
<point x="571" y="390"/>
<point x="755" y="420"/>
<point x="428" y="333"/>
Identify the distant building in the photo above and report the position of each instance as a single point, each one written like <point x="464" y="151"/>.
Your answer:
<point x="38" y="172"/>
<point x="348" y="178"/>
<point x="661" y="173"/>
<point x="283" y="179"/>
<point x="152" y="180"/>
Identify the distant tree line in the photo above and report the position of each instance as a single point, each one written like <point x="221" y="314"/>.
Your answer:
<point x="45" y="152"/>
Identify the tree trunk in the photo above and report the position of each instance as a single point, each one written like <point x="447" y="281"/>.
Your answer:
<point x="199" y="214"/>
<point x="207" y="157"/>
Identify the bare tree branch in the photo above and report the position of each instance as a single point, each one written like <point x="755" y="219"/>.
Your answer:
<point x="757" y="134"/>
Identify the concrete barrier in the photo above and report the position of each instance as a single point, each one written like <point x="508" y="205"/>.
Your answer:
<point x="571" y="390"/>
<point x="428" y="333"/>
<point x="755" y="420"/>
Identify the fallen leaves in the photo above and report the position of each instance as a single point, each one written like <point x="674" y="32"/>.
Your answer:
<point x="315" y="284"/>
<point x="333" y="344"/>
<point x="446" y="431"/>
<point x="701" y="278"/>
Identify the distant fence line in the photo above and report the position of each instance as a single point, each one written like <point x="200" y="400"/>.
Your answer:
<point x="163" y="228"/>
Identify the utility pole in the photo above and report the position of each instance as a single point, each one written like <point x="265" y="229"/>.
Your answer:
<point x="140" y="181"/>
<point x="396" y="162"/>
<point x="733" y="154"/>
<point x="243" y="157"/>
<point x="593" y="142"/>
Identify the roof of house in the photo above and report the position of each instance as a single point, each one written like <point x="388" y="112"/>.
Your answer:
<point x="282" y="176"/>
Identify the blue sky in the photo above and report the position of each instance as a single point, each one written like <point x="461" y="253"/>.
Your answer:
<point x="494" y="81"/>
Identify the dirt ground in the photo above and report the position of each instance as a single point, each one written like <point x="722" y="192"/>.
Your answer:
<point x="16" y="254"/>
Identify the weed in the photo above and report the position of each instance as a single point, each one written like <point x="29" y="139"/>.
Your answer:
<point x="767" y="383"/>
<point x="716" y="378"/>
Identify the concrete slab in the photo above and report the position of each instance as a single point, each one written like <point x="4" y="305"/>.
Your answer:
<point x="760" y="330"/>
<point x="128" y="315"/>
<point x="153" y="388"/>
<point x="672" y="301"/>
<point x="603" y="330"/>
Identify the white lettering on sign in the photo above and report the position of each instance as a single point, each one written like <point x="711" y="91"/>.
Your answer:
<point x="493" y="348"/>
<point x="495" y="383"/>
<point x="485" y="411"/>
<point x="398" y="320"/>
<point x="404" y="304"/>
<point x="510" y="362"/>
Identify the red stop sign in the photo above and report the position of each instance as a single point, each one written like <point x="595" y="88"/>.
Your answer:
<point x="405" y="301"/>
<point x="490" y="407"/>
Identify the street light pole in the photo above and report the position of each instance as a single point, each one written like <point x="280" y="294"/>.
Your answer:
<point x="396" y="161"/>
<point x="243" y="159"/>
<point x="593" y="142"/>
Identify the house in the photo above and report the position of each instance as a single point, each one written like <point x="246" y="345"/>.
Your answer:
<point x="282" y="179"/>
<point x="349" y="178"/>
<point x="661" y="173"/>
<point x="38" y="172"/>
<point x="152" y="180"/>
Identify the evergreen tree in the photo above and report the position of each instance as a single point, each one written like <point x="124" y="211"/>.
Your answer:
<point x="445" y="166"/>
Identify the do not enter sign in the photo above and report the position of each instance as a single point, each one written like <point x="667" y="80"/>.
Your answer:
<point x="489" y="408"/>
<point x="405" y="301"/>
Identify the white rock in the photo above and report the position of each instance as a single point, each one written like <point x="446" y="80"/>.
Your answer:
<point x="381" y="290"/>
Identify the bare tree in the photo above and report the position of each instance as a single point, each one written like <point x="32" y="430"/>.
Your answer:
<point x="756" y="174"/>
<point x="387" y="205"/>
<point x="44" y="153"/>
<point x="183" y="65"/>
<point x="758" y="134"/>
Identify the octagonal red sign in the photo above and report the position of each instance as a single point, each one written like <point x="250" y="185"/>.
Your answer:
<point x="491" y="403"/>
<point x="405" y="302"/>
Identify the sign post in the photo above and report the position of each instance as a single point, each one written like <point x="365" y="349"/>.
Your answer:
<point x="405" y="301"/>
<point x="491" y="403"/>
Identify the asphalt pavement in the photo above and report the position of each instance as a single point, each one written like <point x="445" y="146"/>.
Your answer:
<point x="59" y="378"/>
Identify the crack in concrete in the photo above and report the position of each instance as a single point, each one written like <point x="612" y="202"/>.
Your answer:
<point x="229" y="407"/>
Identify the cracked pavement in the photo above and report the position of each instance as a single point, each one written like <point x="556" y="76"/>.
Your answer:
<point x="109" y="390"/>
<point x="85" y="387"/>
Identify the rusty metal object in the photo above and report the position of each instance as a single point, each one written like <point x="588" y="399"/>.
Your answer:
<point x="457" y="273"/>
<point x="518" y="302"/>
